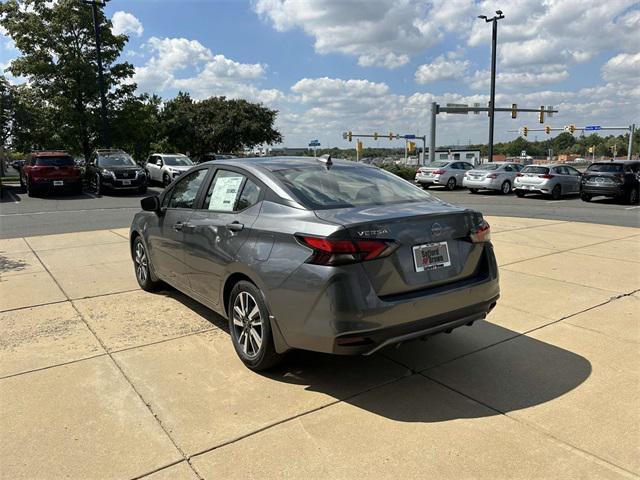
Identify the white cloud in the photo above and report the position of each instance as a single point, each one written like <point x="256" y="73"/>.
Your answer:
<point x="513" y="80"/>
<point x="126" y="23"/>
<point x="442" y="68"/>
<point x="623" y="67"/>
<point x="378" y="32"/>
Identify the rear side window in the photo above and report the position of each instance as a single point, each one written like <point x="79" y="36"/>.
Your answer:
<point x="488" y="166"/>
<point x="66" y="161"/>
<point x="318" y="188"/>
<point x="606" y="167"/>
<point x="231" y="192"/>
<point x="537" y="170"/>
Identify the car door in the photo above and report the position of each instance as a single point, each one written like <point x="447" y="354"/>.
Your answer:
<point x="166" y="239"/>
<point x="218" y="230"/>
<point x="564" y="179"/>
<point x="574" y="177"/>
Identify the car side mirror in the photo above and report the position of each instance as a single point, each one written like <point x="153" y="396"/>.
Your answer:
<point x="150" y="204"/>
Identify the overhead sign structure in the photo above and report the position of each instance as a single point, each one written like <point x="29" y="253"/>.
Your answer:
<point x="593" y="127"/>
<point x="462" y="106"/>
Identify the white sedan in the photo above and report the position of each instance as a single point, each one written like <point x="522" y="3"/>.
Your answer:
<point x="492" y="176"/>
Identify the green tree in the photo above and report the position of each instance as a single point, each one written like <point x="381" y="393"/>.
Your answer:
<point x="6" y="111"/>
<point x="563" y="142"/>
<point x="136" y="125"/>
<point x="177" y="125"/>
<point x="58" y="56"/>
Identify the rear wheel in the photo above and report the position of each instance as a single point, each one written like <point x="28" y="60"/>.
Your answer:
<point x="632" y="196"/>
<point x="506" y="187"/>
<point x="142" y="266"/>
<point x="520" y="193"/>
<point x="585" y="197"/>
<point x="23" y="187"/>
<point x="250" y="327"/>
<point x="451" y="184"/>
<point x="29" y="188"/>
<point x="473" y="190"/>
<point x="556" y="193"/>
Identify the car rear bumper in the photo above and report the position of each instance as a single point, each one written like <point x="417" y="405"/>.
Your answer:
<point x="428" y="180"/>
<point x="345" y="316"/>
<point x="49" y="183"/>
<point x="609" y="191"/>
<point x="540" y="188"/>
<point x="487" y="183"/>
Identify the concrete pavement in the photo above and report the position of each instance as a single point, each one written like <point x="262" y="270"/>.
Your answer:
<point x="99" y="379"/>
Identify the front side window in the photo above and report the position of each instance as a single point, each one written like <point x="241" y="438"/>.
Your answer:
<point x="185" y="191"/>
<point x="177" y="161"/>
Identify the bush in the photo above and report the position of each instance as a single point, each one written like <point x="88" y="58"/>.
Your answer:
<point x="408" y="173"/>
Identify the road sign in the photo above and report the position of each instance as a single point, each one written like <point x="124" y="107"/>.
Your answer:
<point x="314" y="143"/>
<point x="462" y="106"/>
<point x="409" y="137"/>
<point x="592" y="127"/>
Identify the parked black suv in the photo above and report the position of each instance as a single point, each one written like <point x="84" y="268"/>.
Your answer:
<point x="114" y="170"/>
<point x="619" y="179"/>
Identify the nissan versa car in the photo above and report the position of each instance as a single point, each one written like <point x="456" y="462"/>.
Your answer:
<point x="50" y="172"/>
<point x="315" y="254"/>
<point x="492" y="176"/>
<point x="448" y="174"/>
<point x="552" y="180"/>
<point x="115" y="170"/>
<point x="612" y="179"/>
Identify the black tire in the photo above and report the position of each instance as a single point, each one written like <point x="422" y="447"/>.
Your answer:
<point x="77" y="190"/>
<point x="96" y="184"/>
<point x="245" y="330"/>
<point x="425" y="186"/>
<point x="632" y="196"/>
<point x="23" y="187"/>
<point x="520" y="194"/>
<point x="31" y="192"/>
<point x="451" y="184"/>
<point x="505" y="189"/>
<point x="473" y="190"/>
<point x="142" y="267"/>
<point x="166" y="180"/>
<point x="556" y="193"/>
<point x="142" y="189"/>
<point x="585" y="197"/>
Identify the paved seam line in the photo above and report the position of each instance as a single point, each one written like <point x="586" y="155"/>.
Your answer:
<point x="34" y="306"/>
<point x="534" y="427"/>
<point x="120" y="369"/>
<point x="529" y="227"/>
<point x="159" y="469"/>
<point x="70" y="362"/>
<point x="299" y="415"/>
<point x="611" y="292"/>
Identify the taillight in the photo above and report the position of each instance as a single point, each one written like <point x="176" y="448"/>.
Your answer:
<point x="519" y="175"/>
<point x="438" y="172"/>
<point x="546" y="176"/>
<point x="331" y="251"/>
<point x="492" y="175"/>
<point x="482" y="233"/>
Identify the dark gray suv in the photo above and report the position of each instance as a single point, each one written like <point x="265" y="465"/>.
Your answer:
<point x="330" y="256"/>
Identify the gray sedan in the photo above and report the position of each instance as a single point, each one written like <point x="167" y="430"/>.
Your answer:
<point x="330" y="256"/>
<point x="552" y="180"/>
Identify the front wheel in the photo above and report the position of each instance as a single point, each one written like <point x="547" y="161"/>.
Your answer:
<point x="585" y="197"/>
<point x="143" y="267"/>
<point x="506" y="188"/>
<point x="473" y="190"/>
<point x="23" y="187"/>
<point x="166" y="180"/>
<point x="520" y="194"/>
<point x="556" y="193"/>
<point x="632" y="196"/>
<point x="250" y="327"/>
<point x="451" y="184"/>
<point x="95" y="184"/>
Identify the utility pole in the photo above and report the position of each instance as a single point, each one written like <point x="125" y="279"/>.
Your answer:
<point x="492" y="99"/>
<point x="104" y="122"/>
<point x="632" y="128"/>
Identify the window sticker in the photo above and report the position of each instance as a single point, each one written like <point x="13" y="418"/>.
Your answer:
<point x="225" y="192"/>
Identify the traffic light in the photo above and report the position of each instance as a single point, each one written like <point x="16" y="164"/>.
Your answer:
<point x="411" y="147"/>
<point x="390" y="136"/>
<point x="591" y="149"/>
<point x="541" y="114"/>
<point x="349" y="135"/>
<point x="375" y="136"/>
<point x="525" y="131"/>
<point x="514" y="110"/>
<point x="572" y="128"/>
<point x="359" y="146"/>
<point x="547" y="129"/>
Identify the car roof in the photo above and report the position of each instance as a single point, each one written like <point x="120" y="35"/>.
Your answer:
<point x="274" y="164"/>
<point x="614" y="162"/>
<point x="170" y="154"/>
<point x="50" y="153"/>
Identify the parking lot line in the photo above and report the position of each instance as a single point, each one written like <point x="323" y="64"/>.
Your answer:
<point x="556" y="201"/>
<point x="632" y="208"/>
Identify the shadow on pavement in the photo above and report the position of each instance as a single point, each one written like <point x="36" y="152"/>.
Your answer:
<point x="9" y="194"/>
<point x="515" y="374"/>
<point x="7" y="265"/>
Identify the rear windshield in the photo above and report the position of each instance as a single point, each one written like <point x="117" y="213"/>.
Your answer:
<point x="606" y="167"/>
<point x="347" y="186"/>
<point x="438" y="164"/>
<point x="538" y="170"/>
<point x="488" y="166"/>
<point x="115" y="160"/>
<point x="53" y="161"/>
<point x="178" y="161"/>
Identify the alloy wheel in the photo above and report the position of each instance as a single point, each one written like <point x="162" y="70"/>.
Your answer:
<point x="451" y="183"/>
<point x="506" y="188"/>
<point x="247" y="324"/>
<point x="142" y="263"/>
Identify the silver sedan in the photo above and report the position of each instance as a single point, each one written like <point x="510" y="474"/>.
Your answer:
<point x="492" y="176"/>
<point x="552" y="180"/>
<point x="445" y="173"/>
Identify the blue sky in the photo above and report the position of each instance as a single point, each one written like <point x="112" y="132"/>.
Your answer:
<point x="376" y="65"/>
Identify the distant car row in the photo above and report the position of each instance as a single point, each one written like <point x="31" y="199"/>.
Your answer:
<point x="112" y="170"/>
<point x="619" y="179"/>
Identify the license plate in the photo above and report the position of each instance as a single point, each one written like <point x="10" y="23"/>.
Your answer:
<point x="126" y="182"/>
<point x="58" y="183"/>
<point x="431" y="256"/>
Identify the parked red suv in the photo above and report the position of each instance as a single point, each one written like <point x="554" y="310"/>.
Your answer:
<point x="50" y="172"/>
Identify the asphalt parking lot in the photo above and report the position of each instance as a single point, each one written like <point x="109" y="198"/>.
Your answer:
<point x="24" y="216"/>
<point x="99" y="379"/>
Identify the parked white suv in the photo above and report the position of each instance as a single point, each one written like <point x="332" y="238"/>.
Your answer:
<point x="164" y="167"/>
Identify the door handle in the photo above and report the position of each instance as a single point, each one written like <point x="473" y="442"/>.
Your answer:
<point x="235" y="226"/>
<point x="184" y="227"/>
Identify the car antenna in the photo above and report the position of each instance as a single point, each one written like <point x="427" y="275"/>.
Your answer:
<point x="326" y="159"/>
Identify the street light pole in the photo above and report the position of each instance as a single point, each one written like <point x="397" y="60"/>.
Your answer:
<point x="104" y="122"/>
<point x="492" y="99"/>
